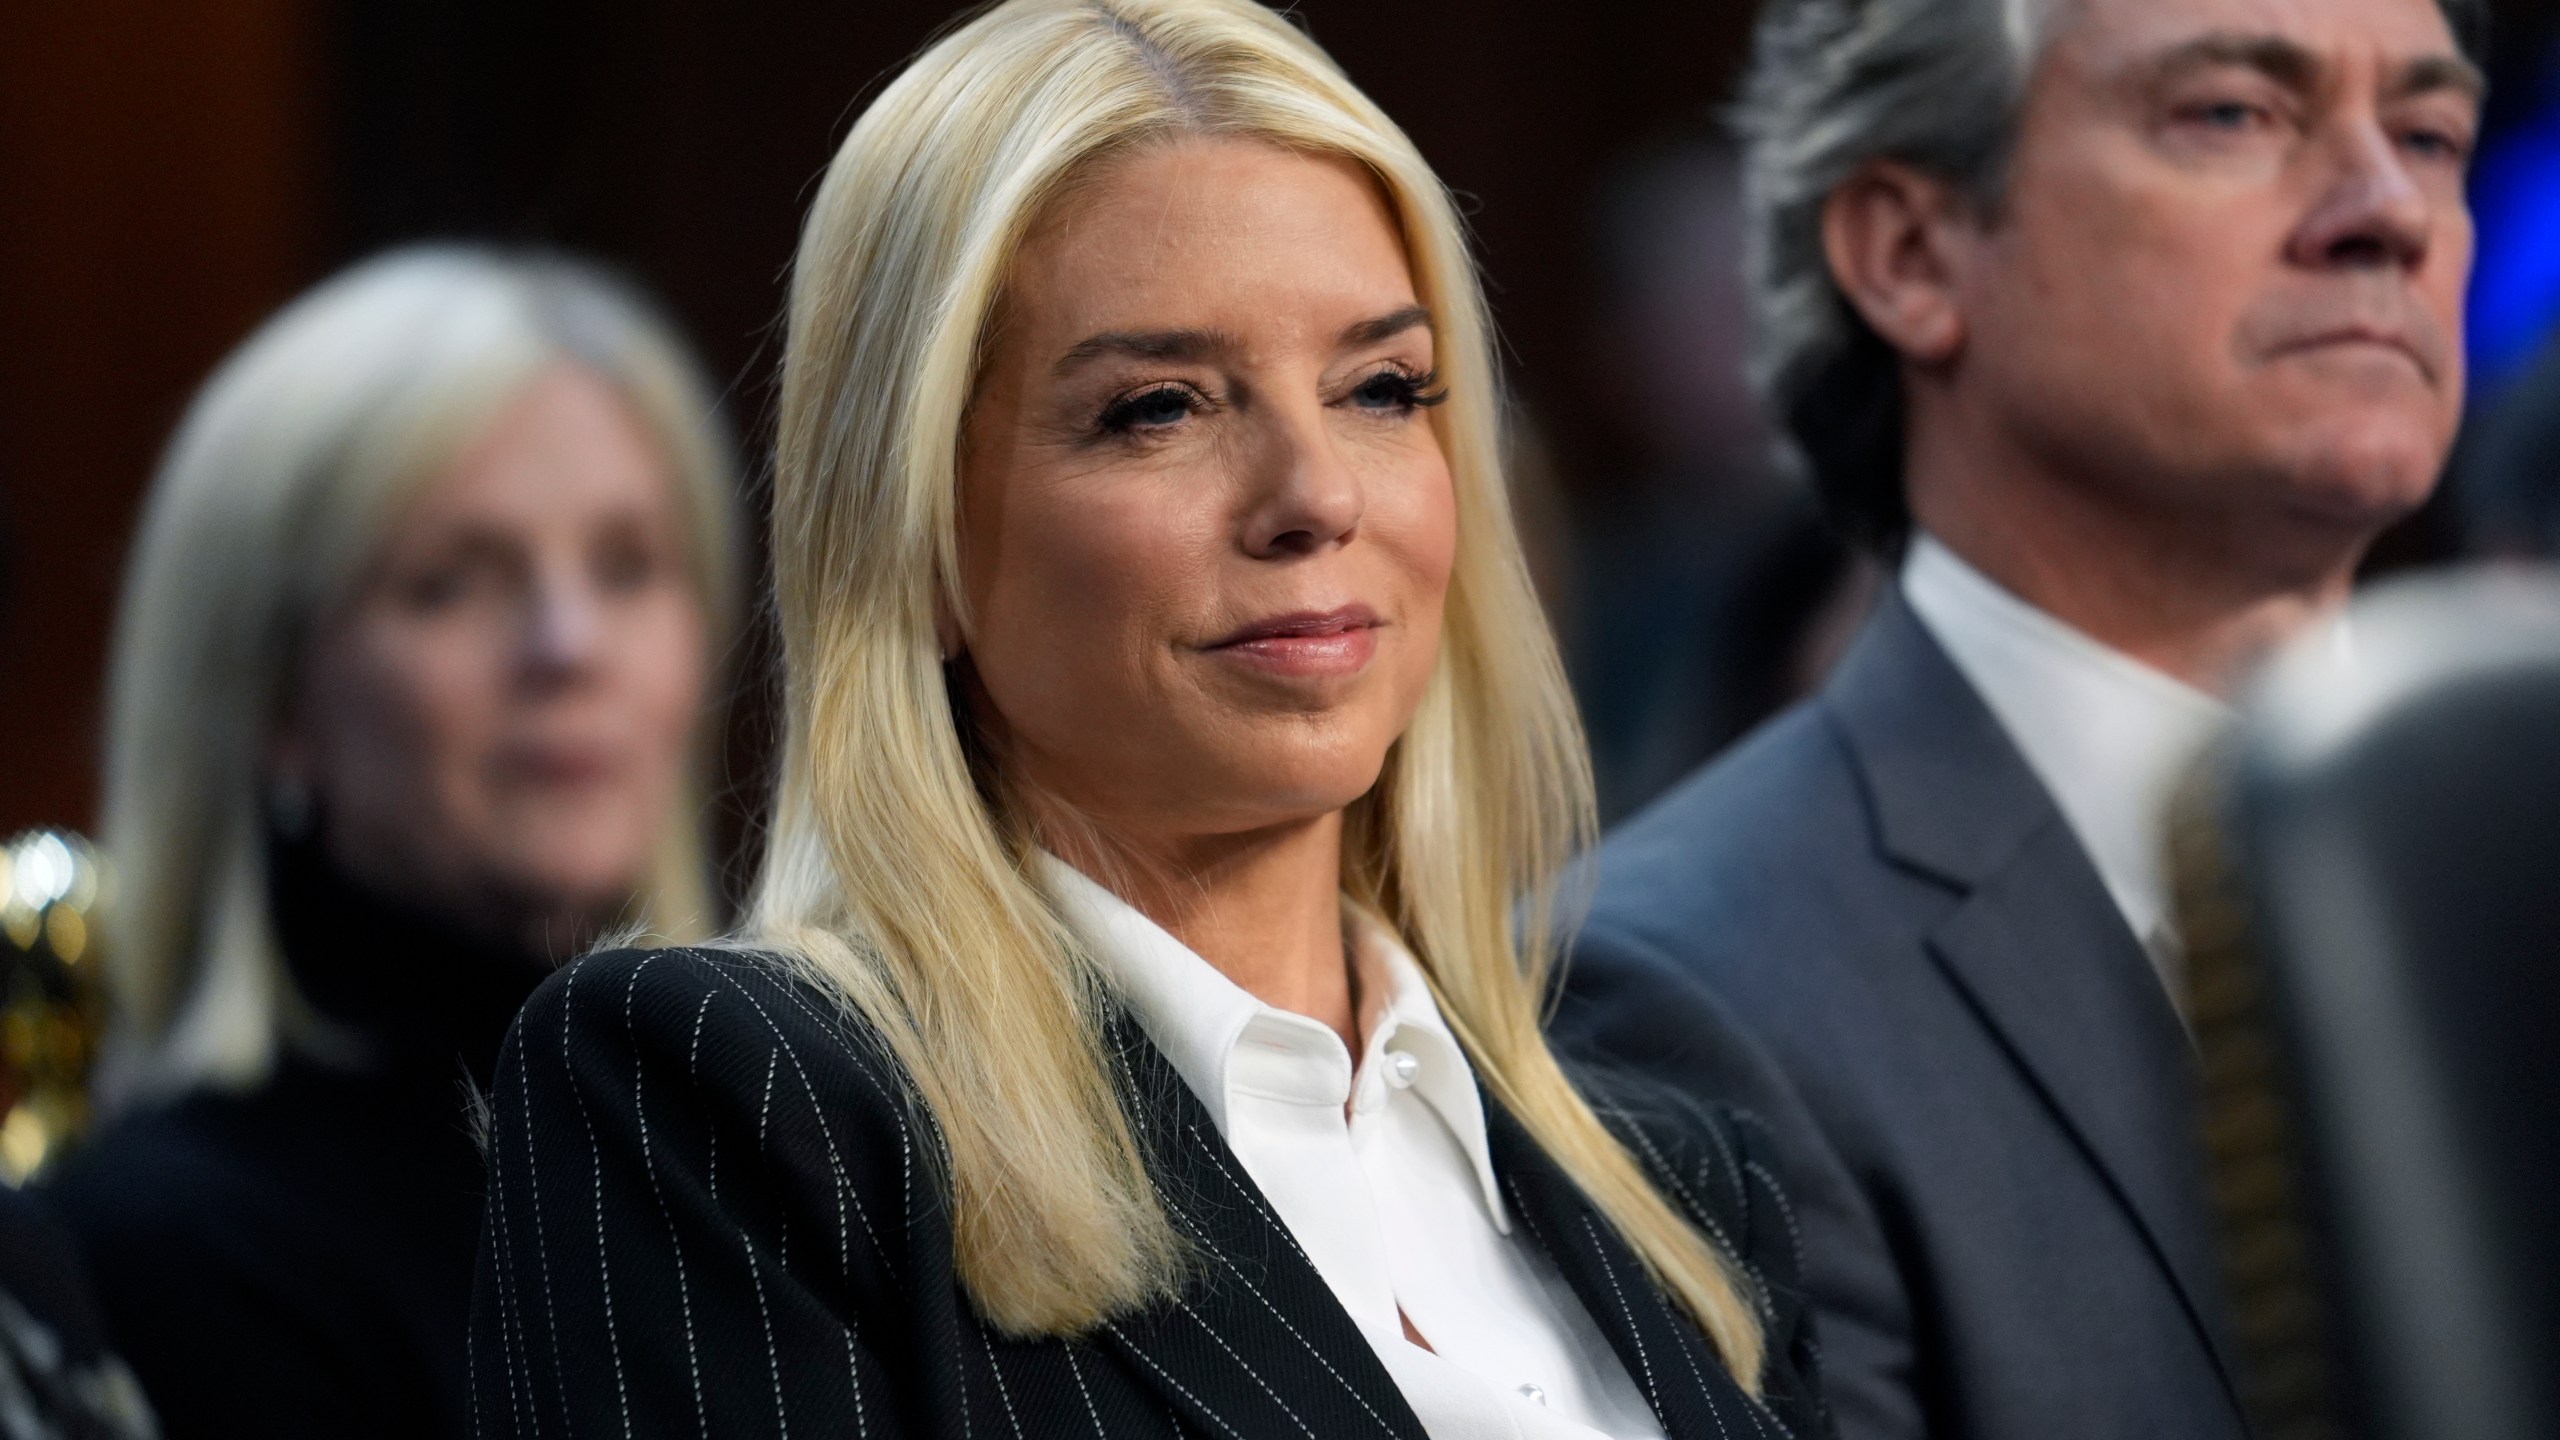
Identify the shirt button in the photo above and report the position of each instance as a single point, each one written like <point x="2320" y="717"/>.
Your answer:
<point x="1402" y="1067"/>
<point x="1533" y="1394"/>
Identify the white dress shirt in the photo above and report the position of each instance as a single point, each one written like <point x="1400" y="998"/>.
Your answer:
<point x="1381" y="1173"/>
<point x="2109" y="736"/>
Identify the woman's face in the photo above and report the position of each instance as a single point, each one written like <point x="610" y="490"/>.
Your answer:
<point x="498" y="725"/>
<point x="1206" y="526"/>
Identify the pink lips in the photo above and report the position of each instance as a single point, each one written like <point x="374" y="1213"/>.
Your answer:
<point x="560" y="764"/>
<point x="1307" y="642"/>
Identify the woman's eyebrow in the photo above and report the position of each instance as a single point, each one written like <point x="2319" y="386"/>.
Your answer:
<point x="1385" y="327"/>
<point x="1150" y="345"/>
<point x="1196" y="344"/>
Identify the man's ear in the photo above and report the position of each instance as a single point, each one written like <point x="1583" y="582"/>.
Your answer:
<point x="1890" y="233"/>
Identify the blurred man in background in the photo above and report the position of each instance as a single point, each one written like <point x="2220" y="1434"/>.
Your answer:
<point x="1710" y="593"/>
<point x="2122" y="327"/>
<point x="2508" y="472"/>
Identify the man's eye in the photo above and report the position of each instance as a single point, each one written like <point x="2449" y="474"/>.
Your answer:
<point x="1148" y="409"/>
<point x="2232" y="115"/>
<point x="2440" y="144"/>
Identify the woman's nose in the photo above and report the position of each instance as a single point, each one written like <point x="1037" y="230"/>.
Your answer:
<point x="1306" y="497"/>
<point x="564" y="629"/>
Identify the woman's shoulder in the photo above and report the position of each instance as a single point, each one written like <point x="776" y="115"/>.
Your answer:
<point x="715" y="992"/>
<point x="731" y="1028"/>
<point x="1715" y="1159"/>
<point x="166" y="1174"/>
<point x="206" y="1160"/>
<point x="679" y="1140"/>
<point x="187" y="1209"/>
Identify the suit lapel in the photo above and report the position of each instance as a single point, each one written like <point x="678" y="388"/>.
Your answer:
<point x="1680" y="1374"/>
<point x="2084" y="1017"/>
<point x="2036" y="944"/>
<point x="1256" y="1345"/>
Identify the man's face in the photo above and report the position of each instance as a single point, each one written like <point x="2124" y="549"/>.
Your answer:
<point x="2227" y="279"/>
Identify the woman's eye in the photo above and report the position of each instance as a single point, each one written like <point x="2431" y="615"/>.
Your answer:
<point x="626" y="558"/>
<point x="625" y="569"/>
<point x="440" y="588"/>
<point x="467" y="574"/>
<point x="1149" y="410"/>
<point x="1394" y="390"/>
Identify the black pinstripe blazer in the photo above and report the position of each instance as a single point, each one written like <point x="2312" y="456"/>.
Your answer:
<point x="712" y="1212"/>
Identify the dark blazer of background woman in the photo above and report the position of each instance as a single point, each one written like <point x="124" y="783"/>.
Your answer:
<point x="678" y="1135"/>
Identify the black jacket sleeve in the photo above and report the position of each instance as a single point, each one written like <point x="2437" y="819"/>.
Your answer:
<point x="1811" y="1239"/>
<point x="1793" y="1383"/>
<point x="701" y="1196"/>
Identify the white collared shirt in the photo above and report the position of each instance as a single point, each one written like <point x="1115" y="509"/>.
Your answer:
<point x="2109" y="736"/>
<point x="1382" y="1174"/>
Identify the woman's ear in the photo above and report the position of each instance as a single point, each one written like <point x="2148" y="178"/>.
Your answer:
<point x="1888" y="235"/>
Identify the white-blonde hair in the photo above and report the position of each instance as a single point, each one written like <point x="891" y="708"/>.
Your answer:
<point x="286" y="475"/>
<point x="900" y="883"/>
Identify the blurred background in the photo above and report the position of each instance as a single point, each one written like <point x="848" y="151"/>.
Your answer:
<point x="174" y="170"/>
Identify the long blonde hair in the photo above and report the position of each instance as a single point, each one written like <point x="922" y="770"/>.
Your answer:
<point x="290" y="467"/>
<point x="897" y="882"/>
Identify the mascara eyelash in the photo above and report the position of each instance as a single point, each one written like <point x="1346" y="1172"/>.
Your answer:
<point x="1114" y="419"/>
<point x="1421" y="392"/>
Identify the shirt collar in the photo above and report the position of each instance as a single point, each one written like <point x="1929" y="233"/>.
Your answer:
<point x="1411" y="1022"/>
<point x="1199" y="1018"/>
<point x="2109" y="736"/>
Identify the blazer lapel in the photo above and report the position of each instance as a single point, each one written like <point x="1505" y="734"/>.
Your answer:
<point x="2037" y="943"/>
<point x="1680" y="1373"/>
<point x="2084" y="1016"/>
<point x="1256" y="1345"/>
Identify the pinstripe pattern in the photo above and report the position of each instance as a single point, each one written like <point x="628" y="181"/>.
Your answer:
<point x="703" y="1109"/>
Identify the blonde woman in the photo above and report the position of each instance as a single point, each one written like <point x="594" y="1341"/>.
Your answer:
<point x="408" y="693"/>
<point x="1132" y="1035"/>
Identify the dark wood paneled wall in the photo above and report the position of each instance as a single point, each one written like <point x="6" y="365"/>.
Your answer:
<point x="680" y="136"/>
<point x="158" y="194"/>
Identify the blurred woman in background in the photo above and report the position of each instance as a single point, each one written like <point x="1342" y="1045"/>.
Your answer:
<point x="408" y="700"/>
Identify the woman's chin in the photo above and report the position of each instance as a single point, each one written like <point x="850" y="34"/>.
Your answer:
<point x="569" y="880"/>
<point x="1276" y="789"/>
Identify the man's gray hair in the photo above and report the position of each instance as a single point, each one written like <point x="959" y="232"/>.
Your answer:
<point x="1833" y="86"/>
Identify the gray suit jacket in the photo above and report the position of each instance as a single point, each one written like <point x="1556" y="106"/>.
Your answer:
<point x="1979" y="1085"/>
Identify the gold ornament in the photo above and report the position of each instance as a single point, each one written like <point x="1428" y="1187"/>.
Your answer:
<point x="53" y="887"/>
